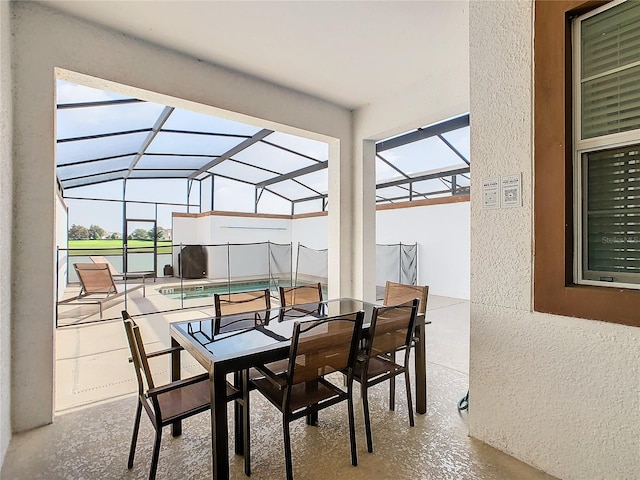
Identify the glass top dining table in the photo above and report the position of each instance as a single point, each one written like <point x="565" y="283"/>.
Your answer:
<point x="233" y="343"/>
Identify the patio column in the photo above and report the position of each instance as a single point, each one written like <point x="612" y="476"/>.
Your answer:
<point x="340" y="219"/>
<point x="364" y="220"/>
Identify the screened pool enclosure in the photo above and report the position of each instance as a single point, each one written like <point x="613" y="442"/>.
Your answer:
<point x="125" y="166"/>
<point x="106" y="138"/>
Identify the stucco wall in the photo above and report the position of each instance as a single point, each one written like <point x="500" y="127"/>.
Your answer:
<point x="45" y="40"/>
<point x="442" y="234"/>
<point x="6" y="207"/>
<point x="62" y="228"/>
<point x="562" y="394"/>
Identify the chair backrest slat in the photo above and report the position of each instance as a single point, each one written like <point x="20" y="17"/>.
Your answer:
<point x="241" y="302"/>
<point x="300" y="295"/>
<point x="322" y="347"/>
<point x="95" y="278"/>
<point x="397" y="293"/>
<point x="391" y="328"/>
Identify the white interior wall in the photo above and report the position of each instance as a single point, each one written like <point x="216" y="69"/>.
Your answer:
<point x="226" y="229"/>
<point x="6" y="209"/>
<point x="444" y="243"/>
<point x="442" y="232"/>
<point x="44" y="41"/>
<point x="310" y="232"/>
<point x="559" y="393"/>
<point x="185" y="230"/>
<point x="223" y="229"/>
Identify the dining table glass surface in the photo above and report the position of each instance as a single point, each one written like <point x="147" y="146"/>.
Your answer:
<point x="244" y="333"/>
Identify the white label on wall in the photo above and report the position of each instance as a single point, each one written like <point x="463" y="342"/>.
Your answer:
<point x="511" y="191"/>
<point x="491" y="192"/>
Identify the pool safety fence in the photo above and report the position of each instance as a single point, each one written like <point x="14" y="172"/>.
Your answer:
<point x="197" y="271"/>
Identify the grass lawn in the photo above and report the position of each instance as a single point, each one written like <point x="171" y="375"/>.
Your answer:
<point x="114" y="247"/>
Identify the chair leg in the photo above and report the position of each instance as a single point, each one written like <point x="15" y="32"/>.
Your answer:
<point x="156" y="454"/>
<point x="392" y="393"/>
<point x="392" y="383"/>
<point x="312" y="419"/>
<point x="287" y="448"/>
<point x="409" y="401"/>
<point x="134" y="438"/>
<point x="352" y="431"/>
<point x="246" y="437"/>
<point x="367" y="418"/>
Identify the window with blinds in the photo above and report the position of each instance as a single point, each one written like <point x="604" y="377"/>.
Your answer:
<point x="607" y="145"/>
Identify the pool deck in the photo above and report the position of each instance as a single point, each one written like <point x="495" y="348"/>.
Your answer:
<point x="154" y="300"/>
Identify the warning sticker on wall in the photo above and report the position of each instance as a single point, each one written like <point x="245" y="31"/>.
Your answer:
<point x="491" y="192"/>
<point x="511" y="191"/>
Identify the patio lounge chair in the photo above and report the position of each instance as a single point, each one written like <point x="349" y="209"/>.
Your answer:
<point x="98" y="286"/>
<point x="123" y="276"/>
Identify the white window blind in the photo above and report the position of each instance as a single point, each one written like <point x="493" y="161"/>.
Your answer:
<point x="607" y="145"/>
<point x="610" y="71"/>
<point x="613" y="214"/>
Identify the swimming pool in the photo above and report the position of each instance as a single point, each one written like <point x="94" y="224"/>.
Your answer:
<point x="207" y="290"/>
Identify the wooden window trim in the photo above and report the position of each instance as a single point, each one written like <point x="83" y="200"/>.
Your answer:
<point x="554" y="290"/>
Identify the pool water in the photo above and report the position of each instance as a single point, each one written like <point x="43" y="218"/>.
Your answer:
<point x="205" y="291"/>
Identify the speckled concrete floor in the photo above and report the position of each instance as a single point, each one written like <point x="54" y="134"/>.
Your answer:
<point x="92" y="442"/>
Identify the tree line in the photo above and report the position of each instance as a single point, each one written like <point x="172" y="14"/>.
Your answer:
<point x="95" y="232"/>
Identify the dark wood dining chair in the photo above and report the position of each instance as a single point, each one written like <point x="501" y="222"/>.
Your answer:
<point x="166" y="403"/>
<point x="258" y="301"/>
<point x="241" y="302"/>
<point x="318" y="348"/>
<point x="397" y="293"/>
<point x="390" y="332"/>
<point x="301" y="294"/>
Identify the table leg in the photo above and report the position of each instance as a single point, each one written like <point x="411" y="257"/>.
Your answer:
<point x="176" y="427"/>
<point x="420" y="356"/>
<point x="219" y="432"/>
<point x="238" y="415"/>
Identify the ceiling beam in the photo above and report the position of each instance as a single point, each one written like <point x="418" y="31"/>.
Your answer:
<point x="102" y="135"/>
<point x="408" y="198"/>
<point x="164" y="116"/>
<point x="82" y="162"/>
<point x="308" y="199"/>
<point x="427" y="176"/>
<point x="455" y="150"/>
<point x="100" y="103"/>
<point x="275" y="145"/>
<point x="295" y="173"/>
<point x="392" y="165"/>
<point x="233" y="151"/>
<point x="422" y="133"/>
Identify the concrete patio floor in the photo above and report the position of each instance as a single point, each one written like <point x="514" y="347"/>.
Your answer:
<point x="95" y="406"/>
